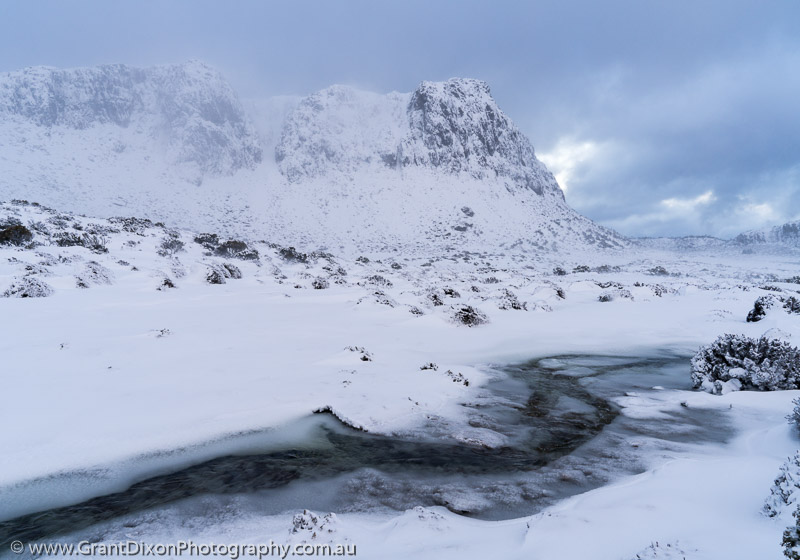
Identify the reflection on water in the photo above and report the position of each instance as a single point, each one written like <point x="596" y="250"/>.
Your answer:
<point x="551" y="413"/>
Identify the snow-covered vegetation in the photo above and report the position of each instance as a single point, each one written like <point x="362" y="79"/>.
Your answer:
<point x="734" y="362"/>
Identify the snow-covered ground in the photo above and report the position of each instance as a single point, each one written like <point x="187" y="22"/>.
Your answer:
<point x="116" y="377"/>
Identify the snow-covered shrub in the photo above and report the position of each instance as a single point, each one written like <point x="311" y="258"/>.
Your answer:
<point x="290" y="254"/>
<point x="170" y="245"/>
<point x="581" y="268"/>
<point x="95" y="273"/>
<point x="435" y="298"/>
<point x="509" y="300"/>
<point x="376" y="280"/>
<point x="166" y="284"/>
<point x="770" y="288"/>
<point x="662" y="551"/>
<point x="794" y="417"/>
<point x="605" y="297"/>
<point x="734" y="362"/>
<point x="320" y="284"/>
<point x="336" y="273"/>
<point x="457" y="377"/>
<point x="94" y="243"/>
<point x="468" y="315"/>
<point x="784" y="491"/>
<point x="309" y="525"/>
<point x="791" y="542"/>
<point x="793" y="280"/>
<point x="764" y="303"/>
<point x="28" y="287"/>
<point x="134" y="225"/>
<point x="659" y="290"/>
<point x="366" y="355"/>
<point x="379" y="297"/>
<point x="15" y="234"/>
<point x="233" y="248"/>
<point x="217" y="274"/>
<point x="558" y="271"/>
<point x="760" y="307"/>
<point x="658" y="271"/>
<point x="207" y="240"/>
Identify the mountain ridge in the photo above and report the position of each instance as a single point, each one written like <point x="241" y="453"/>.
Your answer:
<point x="441" y="166"/>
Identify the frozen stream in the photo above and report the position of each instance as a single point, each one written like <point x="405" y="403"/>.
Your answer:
<point x="559" y="427"/>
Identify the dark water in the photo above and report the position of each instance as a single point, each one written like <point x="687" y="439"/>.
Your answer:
<point x="548" y="413"/>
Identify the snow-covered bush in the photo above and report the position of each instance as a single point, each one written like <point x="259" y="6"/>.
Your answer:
<point x="366" y="355"/>
<point x="662" y="551"/>
<point x="734" y="362"/>
<point x="28" y="287"/>
<point x="451" y="292"/>
<point x="134" y="225"/>
<point x="95" y="273"/>
<point x="290" y="254"/>
<point x="309" y="525"/>
<point x="166" y="284"/>
<point x="233" y="248"/>
<point x="435" y="298"/>
<point x="320" y="283"/>
<point x="784" y="491"/>
<point x="376" y="280"/>
<point x="217" y="274"/>
<point x="468" y="315"/>
<point x="764" y="303"/>
<point x="94" y="243"/>
<point x="794" y="417"/>
<point x="509" y="300"/>
<point x="380" y="297"/>
<point x="170" y="245"/>
<point x="658" y="271"/>
<point x="760" y="307"/>
<point x="15" y="234"/>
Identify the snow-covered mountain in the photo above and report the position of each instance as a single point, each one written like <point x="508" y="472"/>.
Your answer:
<point x="787" y="234"/>
<point x="442" y="166"/>
<point x="187" y="109"/>
<point x="453" y="126"/>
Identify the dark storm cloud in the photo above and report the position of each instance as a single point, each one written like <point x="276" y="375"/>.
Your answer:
<point x="659" y="117"/>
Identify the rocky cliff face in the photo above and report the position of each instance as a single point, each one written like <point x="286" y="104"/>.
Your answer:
<point x="189" y="108"/>
<point x="457" y="126"/>
<point x="452" y="127"/>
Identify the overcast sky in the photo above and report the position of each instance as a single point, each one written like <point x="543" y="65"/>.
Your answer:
<point x="658" y="117"/>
